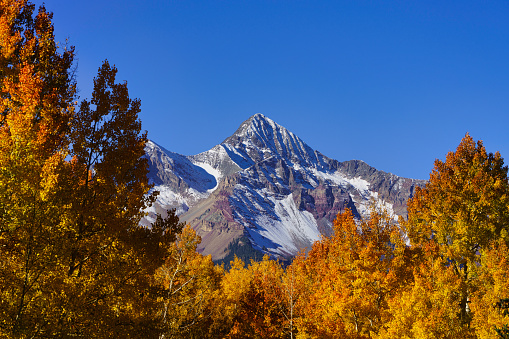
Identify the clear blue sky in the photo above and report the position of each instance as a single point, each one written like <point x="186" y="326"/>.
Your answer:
<point x="394" y="83"/>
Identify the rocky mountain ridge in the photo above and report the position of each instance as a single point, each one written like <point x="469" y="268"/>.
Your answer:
<point x="263" y="190"/>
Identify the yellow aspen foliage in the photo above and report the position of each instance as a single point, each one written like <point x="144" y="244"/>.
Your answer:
<point x="426" y="307"/>
<point x="72" y="191"/>
<point x="463" y="208"/>
<point x="253" y="302"/>
<point x="465" y="202"/>
<point x="189" y="283"/>
<point x="354" y="273"/>
<point x="493" y="292"/>
<point x="234" y="285"/>
<point x="36" y="91"/>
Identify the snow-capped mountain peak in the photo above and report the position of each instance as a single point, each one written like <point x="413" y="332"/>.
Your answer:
<point x="264" y="190"/>
<point x="259" y="138"/>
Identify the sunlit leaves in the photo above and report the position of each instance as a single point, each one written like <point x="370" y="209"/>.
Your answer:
<point x="463" y="209"/>
<point x="189" y="283"/>
<point x="354" y="273"/>
<point x="493" y="288"/>
<point x="464" y="204"/>
<point x="32" y="153"/>
<point x="67" y="228"/>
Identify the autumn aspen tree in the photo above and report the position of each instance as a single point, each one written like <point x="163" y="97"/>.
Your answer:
<point x="36" y="106"/>
<point x="463" y="209"/>
<point x="354" y="273"/>
<point x="73" y="188"/>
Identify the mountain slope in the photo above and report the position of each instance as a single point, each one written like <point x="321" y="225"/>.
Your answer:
<point x="263" y="190"/>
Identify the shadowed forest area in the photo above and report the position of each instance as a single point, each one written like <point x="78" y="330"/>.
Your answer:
<point x="74" y="261"/>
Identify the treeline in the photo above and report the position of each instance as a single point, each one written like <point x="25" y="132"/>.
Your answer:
<point x="74" y="261"/>
<point x="441" y="273"/>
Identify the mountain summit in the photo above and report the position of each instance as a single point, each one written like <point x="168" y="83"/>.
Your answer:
<point x="259" y="138"/>
<point x="264" y="191"/>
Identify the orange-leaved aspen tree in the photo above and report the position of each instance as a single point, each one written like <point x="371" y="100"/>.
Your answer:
<point x="354" y="273"/>
<point x="463" y="209"/>
<point x="253" y="302"/>
<point x="36" y="94"/>
<point x="73" y="187"/>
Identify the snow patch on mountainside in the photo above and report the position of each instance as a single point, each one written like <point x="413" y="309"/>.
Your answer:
<point x="285" y="234"/>
<point x="218" y="159"/>
<point x="364" y="205"/>
<point x="361" y="185"/>
<point x="242" y="160"/>
<point x="167" y="196"/>
<point x="165" y="200"/>
<point x="171" y="164"/>
<point x="151" y="146"/>
<point x="212" y="171"/>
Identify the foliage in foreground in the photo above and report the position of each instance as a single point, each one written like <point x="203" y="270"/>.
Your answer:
<point x="74" y="261"/>
<point x="368" y="280"/>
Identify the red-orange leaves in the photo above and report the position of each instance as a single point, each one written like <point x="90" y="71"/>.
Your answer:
<point x="354" y="274"/>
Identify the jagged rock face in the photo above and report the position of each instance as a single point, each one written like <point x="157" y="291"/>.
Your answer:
<point x="263" y="189"/>
<point x="389" y="187"/>
<point x="177" y="171"/>
<point x="181" y="182"/>
<point x="260" y="138"/>
<point x="324" y="203"/>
